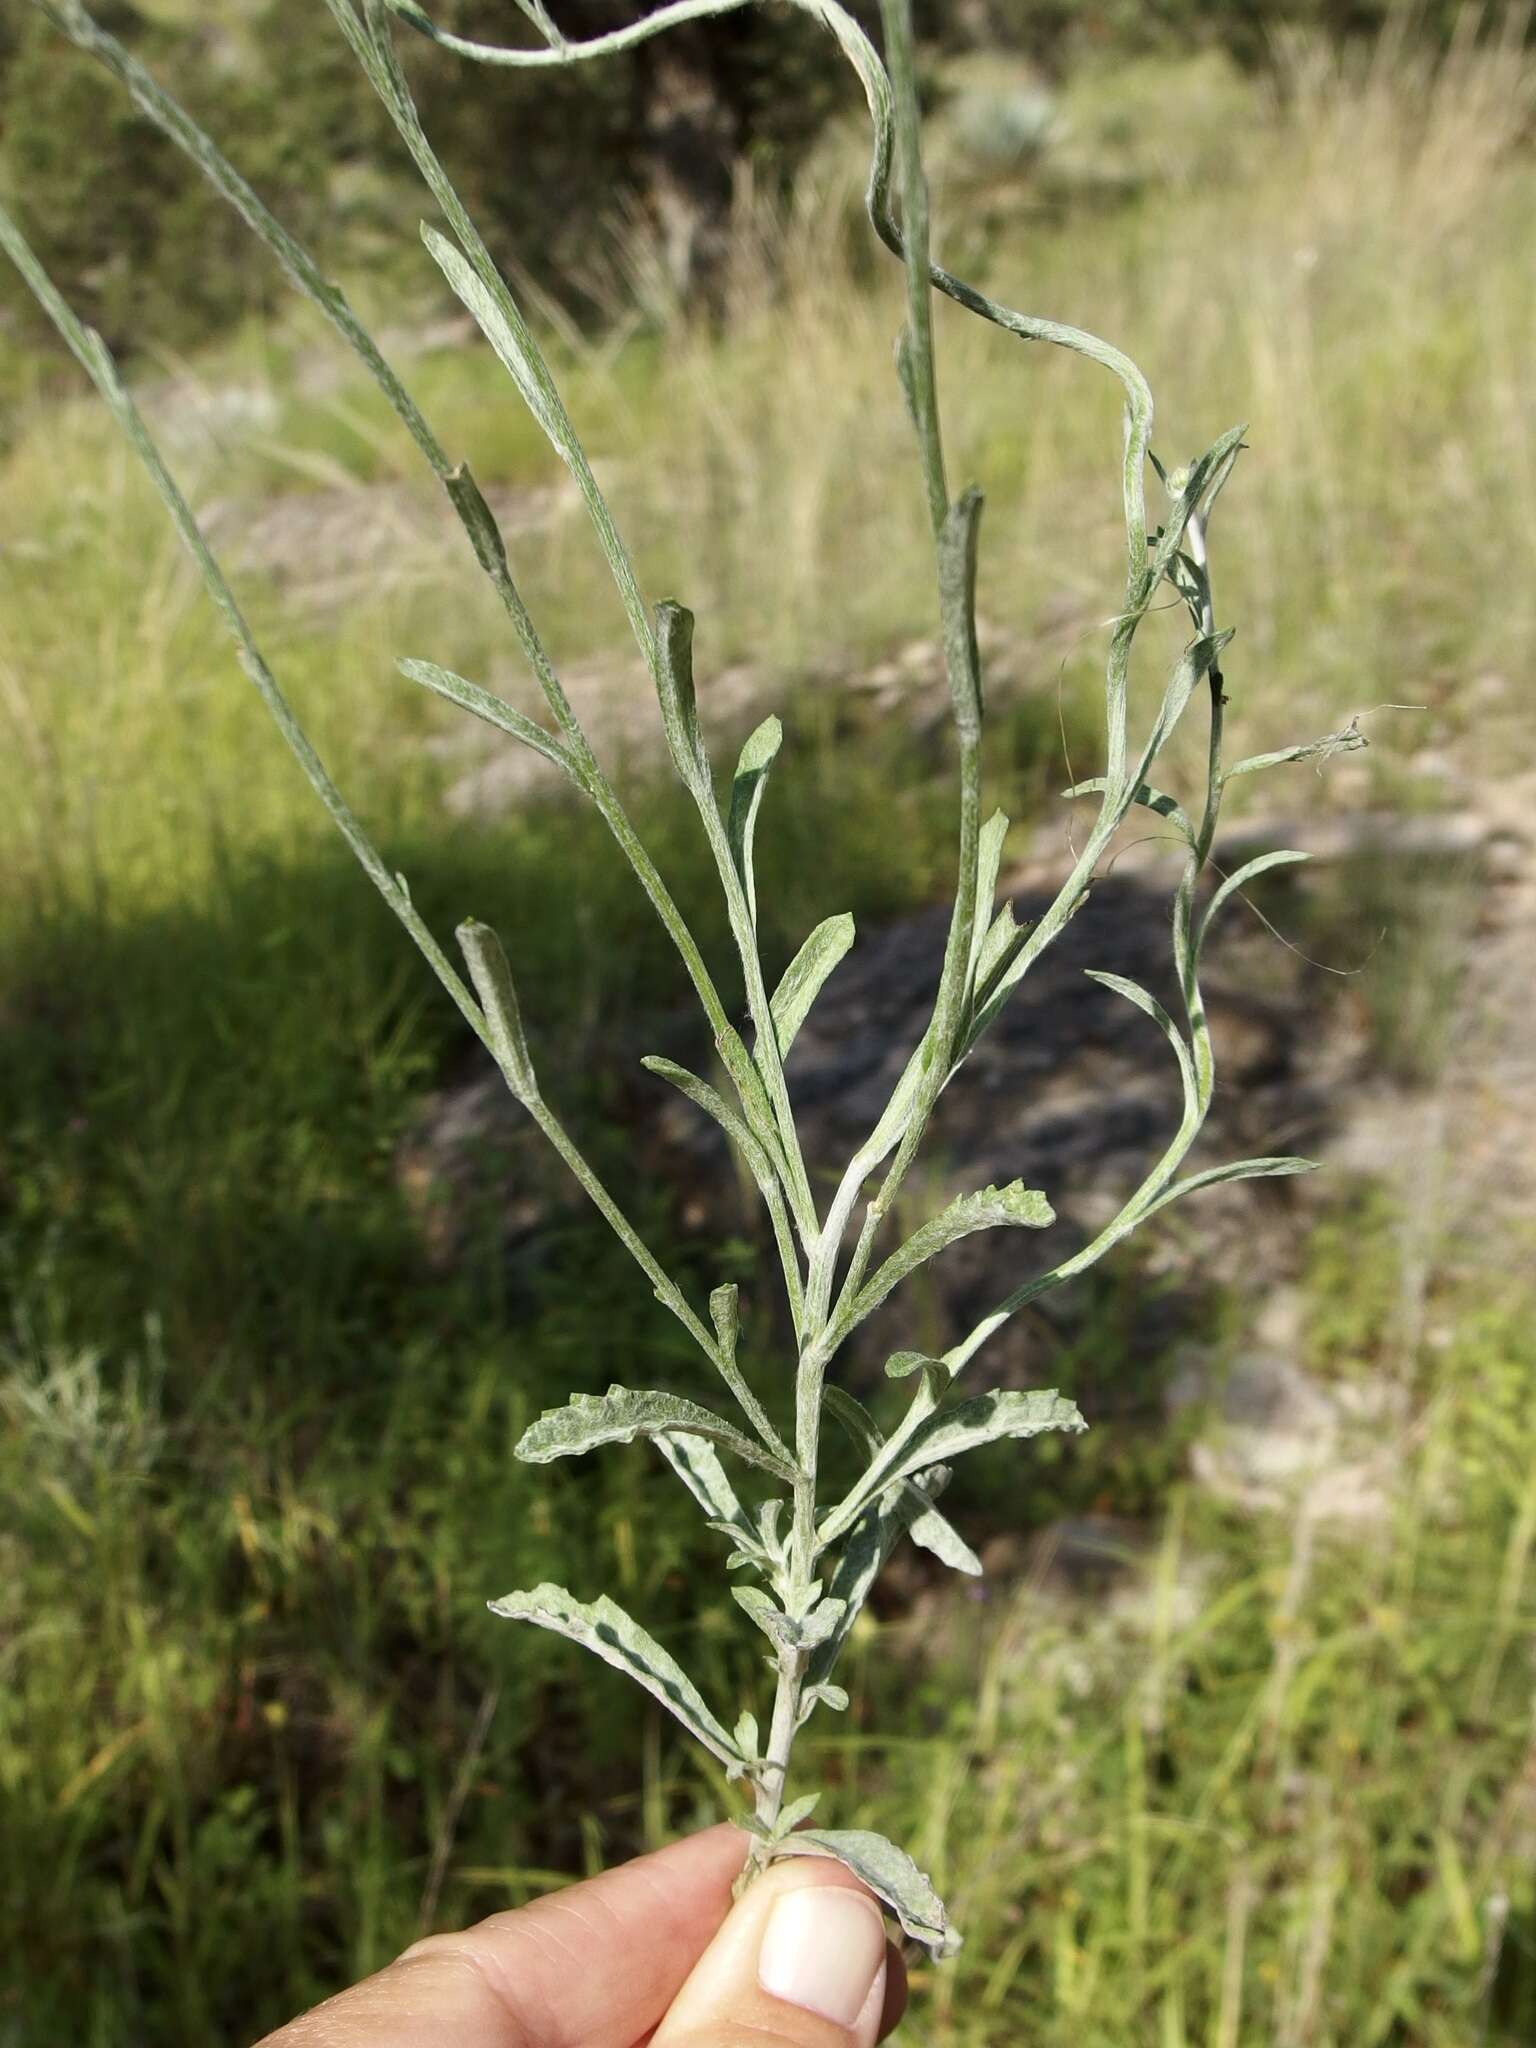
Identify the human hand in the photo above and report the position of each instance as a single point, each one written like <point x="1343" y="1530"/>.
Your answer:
<point x="651" y="1955"/>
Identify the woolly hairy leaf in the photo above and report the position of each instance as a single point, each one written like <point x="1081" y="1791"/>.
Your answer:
<point x="805" y="975"/>
<point x="621" y="1415"/>
<point x="891" y="1875"/>
<point x="985" y="1210"/>
<point x="619" y="1640"/>
<point x="725" y="1314"/>
<point x="989" y="859"/>
<point x="710" y="1099"/>
<point x="946" y="1434"/>
<point x="928" y="1528"/>
<point x="492" y="977"/>
<point x="783" y="1630"/>
<point x="498" y="331"/>
<point x="470" y="697"/>
<point x="696" y="1462"/>
<point x="1346" y="742"/>
<point x="1135" y="993"/>
<point x="747" y="786"/>
<point x="679" y="701"/>
<point x="1150" y="798"/>
<point x="1240" y="1169"/>
<point x="1282" y="857"/>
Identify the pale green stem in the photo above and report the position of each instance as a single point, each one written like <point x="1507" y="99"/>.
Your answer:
<point x="95" y="359"/>
<point x="73" y="21"/>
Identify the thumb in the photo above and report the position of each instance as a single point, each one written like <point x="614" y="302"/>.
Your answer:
<point x="801" y="1961"/>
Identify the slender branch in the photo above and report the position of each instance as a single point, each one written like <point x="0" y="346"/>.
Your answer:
<point x="92" y="354"/>
<point x="72" y="20"/>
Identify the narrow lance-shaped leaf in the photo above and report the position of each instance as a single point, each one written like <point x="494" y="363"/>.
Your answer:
<point x="992" y="1206"/>
<point x="747" y="786"/>
<point x="891" y="1875"/>
<point x="621" y="1415"/>
<point x="1135" y="993"/>
<point x="696" y="1462"/>
<point x="1348" y="741"/>
<point x="679" y="701"/>
<point x="947" y="1434"/>
<point x="492" y="977"/>
<point x="494" y="710"/>
<point x="929" y="1529"/>
<point x="1151" y="799"/>
<point x="989" y="860"/>
<point x="1240" y="1169"/>
<point x="497" y="329"/>
<point x="1281" y="857"/>
<point x="806" y="975"/>
<point x="616" y="1637"/>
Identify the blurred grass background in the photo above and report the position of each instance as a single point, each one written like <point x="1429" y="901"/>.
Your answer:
<point x="256" y="1730"/>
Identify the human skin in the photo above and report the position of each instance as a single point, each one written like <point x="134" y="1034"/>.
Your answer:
<point x="650" y="1955"/>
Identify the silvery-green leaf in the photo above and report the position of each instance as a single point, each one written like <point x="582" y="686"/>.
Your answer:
<point x="1135" y="993"/>
<point x="1151" y="799"/>
<point x="1345" y="742"/>
<point x="746" y="1140"/>
<point x="783" y="1630"/>
<point x="804" y="976"/>
<point x="746" y="1735"/>
<point x="988" y="1208"/>
<point x="725" y="1314"/>
<point x="621" y="1415"/>
<point x="679" y="701"/>
<point x="943" y="1436"/>
<point x="989" y="860"/>
<point x="891" y="1875"/>
<point x="492" y="977"/>
<point x="768" y="1518"/>
<point x="1240" y="1169"/>
<point x="769" y="1616"/>
<point x="694" y="1460"/>
<point x="814" y="1696"/>
<point x="470" y="697"/>
<point x="747" y="786"/>
<point x="797" y="1810"/>
<point x="493" y="323"/>
<point x="604" y="1628"/>
<point x="1282" y="857"/>
<point x="928" y="1528"/>
<point x="957" y="604"/>
<point x="478" y="521"/>
<point x="902" y="1364"/>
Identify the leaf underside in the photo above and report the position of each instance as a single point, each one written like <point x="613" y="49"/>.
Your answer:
<point x="891" y="1875"/>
